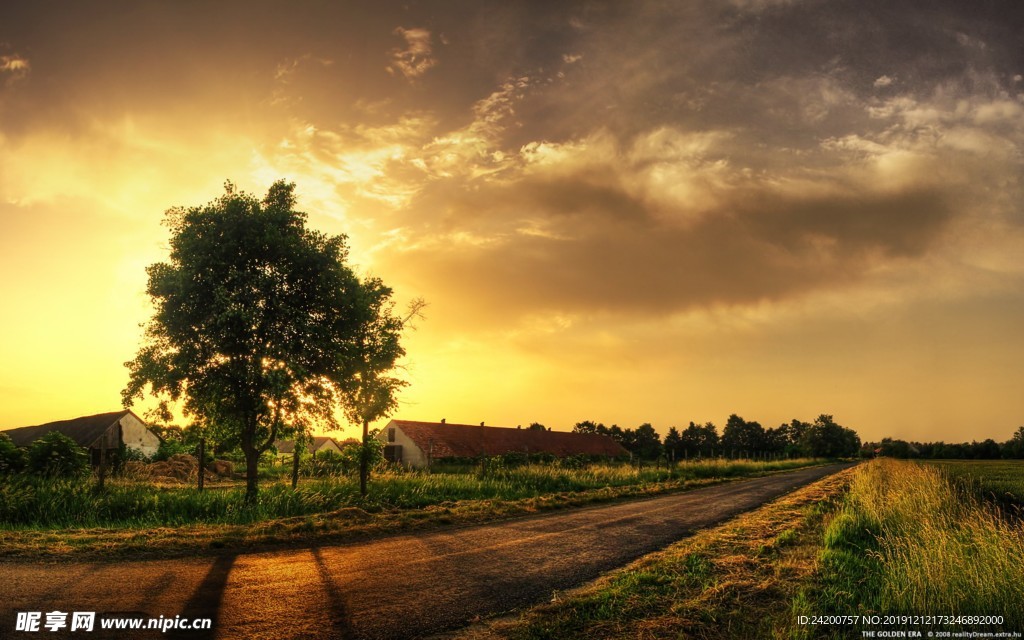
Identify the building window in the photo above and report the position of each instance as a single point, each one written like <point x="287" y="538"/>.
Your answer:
<point x="391" y="434"/>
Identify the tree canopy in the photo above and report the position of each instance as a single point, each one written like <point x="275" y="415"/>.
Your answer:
<point x="255" y="316"/>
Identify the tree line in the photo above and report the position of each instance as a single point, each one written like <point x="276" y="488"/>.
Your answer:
<point x="823" y="438"/>
<point x="988" y="449"/>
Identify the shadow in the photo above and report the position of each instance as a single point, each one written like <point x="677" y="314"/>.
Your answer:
<point x="339" y="616"/>
<point x="206" y="600"/>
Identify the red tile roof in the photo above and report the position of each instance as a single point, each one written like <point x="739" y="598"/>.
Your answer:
<point x="468" y="441"/>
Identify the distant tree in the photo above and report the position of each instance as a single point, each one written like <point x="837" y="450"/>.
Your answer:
<point x="792" y="436"/>
<point x="589" y="426"/>
<point x="56" y="455"/>
<point x="253" y="312"/>
<point x="742" y="436"/>
<point x="774" y="440"/>
<point x="1014" y="447"/>
<point x="826" y="439"/>
<point x="985" y="450"/>
<point x="645" y="442"/>
<point x="536" y="426"/>
<point x="616" y="433"/>
<point x="12" y="458"/>
<point x="699" y="440"/>
<point x="673" y="444"/>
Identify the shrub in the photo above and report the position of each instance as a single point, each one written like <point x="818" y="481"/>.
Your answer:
<point x="12" y="458"/>
<point x="578" y="461"/>
<point x="514" y="459"/>
<point x="329" y="463"/>
<point x="168" y="448"/>
<point x="55" y="454"/>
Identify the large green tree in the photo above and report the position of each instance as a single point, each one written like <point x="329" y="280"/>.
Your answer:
<point x="253" y="312"/>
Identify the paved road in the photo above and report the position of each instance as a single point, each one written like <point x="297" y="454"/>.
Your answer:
<point x="395" y="587"/>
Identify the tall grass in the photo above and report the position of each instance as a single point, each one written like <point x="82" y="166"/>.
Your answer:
<point x="60" y="504"/>
<point x="910" y="540"/>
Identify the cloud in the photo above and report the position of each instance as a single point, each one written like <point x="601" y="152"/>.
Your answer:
<point x="14" y="66"/>
<point x="883" y="81"/>
<point x="417" y="57"/>
<point x="659" y="224"/>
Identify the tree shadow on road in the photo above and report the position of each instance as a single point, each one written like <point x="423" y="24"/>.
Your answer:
<point x="207" y="599"/>
<point x="339" y="616"/>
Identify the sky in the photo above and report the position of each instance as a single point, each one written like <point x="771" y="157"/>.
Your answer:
<point x="653" y="211"/>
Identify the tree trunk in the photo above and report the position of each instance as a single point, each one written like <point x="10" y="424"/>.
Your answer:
<point x="202" y="457"/>
<point x="364" y="459"/>
<point x="251" y="474"/>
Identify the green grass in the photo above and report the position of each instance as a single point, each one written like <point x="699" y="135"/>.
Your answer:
<point x="736" y="580"/>
<point x="910" y="539"/>
<point x="31" y="503"/>
<point x="885" y="538"/>
<point x="999" y="480"/>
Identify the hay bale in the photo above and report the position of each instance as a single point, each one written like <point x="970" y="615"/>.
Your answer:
<point x="135" y="470"/>
<point x="184" y="460"/>
<point x="181" y="467"/>
<point x="223" y="468"/>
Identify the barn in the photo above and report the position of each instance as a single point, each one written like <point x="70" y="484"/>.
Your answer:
<point x="103" y="432"/>
<point x="418" y="443"/>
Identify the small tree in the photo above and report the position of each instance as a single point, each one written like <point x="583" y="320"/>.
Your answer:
<point x="56" y="455"/>
<point x="367" y="390"/>
<point x="12" y="458"/>
<point x="673" y="440"/>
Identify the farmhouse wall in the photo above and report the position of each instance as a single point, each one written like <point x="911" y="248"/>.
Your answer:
<point x="411" y="454"/>
<point x="137" y="436"/>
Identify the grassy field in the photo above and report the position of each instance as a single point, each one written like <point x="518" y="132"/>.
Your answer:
<point x="887" y="538"/>
<point x="910" y="539"/>
<point x="64" y="517"/>
<point x="50" y="504"/>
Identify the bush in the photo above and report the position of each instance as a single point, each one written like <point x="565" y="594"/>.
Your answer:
<point x="578" y="461"/>
<point x="126" y="454"/>
<point x="514" y="459"/>
<point x="329" y="463"/>
<point x="55" y="455"/>
<point x="169" y="448"/>
<point x="12" y="459"/>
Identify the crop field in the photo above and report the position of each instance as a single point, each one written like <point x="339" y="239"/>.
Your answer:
<point x="1001" y="480"/>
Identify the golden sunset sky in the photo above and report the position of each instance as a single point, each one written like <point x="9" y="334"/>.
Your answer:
<point x="650" y="211"/>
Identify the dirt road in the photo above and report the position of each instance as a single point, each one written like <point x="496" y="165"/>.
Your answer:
<point x="396" y="587"/>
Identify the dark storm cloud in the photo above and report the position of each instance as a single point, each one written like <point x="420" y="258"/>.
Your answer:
<point x="606" y="250"/>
